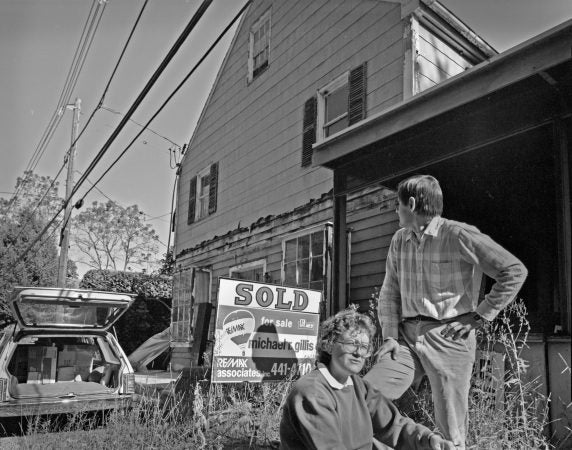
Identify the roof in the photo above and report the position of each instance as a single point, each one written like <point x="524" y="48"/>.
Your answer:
<point x="531" y="58"/>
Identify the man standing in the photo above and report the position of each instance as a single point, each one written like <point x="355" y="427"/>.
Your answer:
<point x="428" y="302"/>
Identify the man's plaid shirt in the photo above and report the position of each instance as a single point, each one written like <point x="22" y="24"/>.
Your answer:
<point x="440" y="275"/>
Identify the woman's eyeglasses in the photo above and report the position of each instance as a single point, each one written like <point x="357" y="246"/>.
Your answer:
<point x="356" y="347"/>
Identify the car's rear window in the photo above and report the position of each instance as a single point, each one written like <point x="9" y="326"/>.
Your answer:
<point x="64" y="315"/>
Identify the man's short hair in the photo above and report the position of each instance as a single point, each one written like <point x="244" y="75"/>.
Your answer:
<point x="333" y="327"/>
<point x="426" y="191"/>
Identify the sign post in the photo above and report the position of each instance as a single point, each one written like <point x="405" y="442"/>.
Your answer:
<point x="264" y="332"/>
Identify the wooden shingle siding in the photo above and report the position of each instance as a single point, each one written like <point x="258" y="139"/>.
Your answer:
<point x="254" y="129"/>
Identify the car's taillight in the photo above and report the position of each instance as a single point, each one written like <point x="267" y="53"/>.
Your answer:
<point x="3" y="388"/>
<point x="127" y="383"/>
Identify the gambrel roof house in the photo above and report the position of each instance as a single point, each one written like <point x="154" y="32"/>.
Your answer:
<point x="321" y="106"/>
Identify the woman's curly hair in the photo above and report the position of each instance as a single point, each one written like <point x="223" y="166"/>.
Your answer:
<point x="333" y="327"/>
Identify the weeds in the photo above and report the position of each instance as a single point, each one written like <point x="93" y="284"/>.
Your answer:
<point x="506" y="411"/>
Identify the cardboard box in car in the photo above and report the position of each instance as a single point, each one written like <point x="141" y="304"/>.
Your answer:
<point x="49" y="363"/>
<point x="66" y="358"/>
<point x="66" y="373"/>
<point x="34" y="377"/>
<point x="83" y="363"/>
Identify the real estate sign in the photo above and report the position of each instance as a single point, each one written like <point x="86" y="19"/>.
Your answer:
<point x="264" y="331"/>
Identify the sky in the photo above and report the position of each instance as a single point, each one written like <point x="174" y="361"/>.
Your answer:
<point x="38" y="39"/>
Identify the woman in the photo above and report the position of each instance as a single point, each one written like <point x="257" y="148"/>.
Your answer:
<point x="333" y="408"/>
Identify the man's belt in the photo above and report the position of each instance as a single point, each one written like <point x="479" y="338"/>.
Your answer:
<point x="429" y="319"/>
<point x="420" y="319"/>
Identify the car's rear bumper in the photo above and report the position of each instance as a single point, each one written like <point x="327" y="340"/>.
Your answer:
<point x="15" y="408"/>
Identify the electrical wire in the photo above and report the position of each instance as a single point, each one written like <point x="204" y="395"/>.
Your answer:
<point x="100" y="103"/>
<point x="88" y="33"/>
<point x="194" y="20"/>
<point x="179" y="86"/>
<point x="190" y="26"/>
<point x="141" y="125"/>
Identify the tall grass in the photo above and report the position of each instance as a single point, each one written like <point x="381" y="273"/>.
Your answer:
<point x="505" y="410"/>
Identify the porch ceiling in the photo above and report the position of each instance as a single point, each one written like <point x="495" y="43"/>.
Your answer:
<point x="514" y="92"/>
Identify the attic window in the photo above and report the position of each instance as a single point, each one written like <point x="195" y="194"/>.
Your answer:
<point x="203" y="194"/>
<point x="259" y="46"/>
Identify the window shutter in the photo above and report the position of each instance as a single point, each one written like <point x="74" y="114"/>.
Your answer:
<point x="192" y="200"/>
<point x="213" y="188"/>
<point x="356" y="97"/>
<point x="309" y="130"/>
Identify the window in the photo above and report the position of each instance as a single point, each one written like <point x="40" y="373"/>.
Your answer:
<point x="182" y="306"/>
<point x="203" y="194"/>
<point x="253" y="271"/>
<point x="334" y="101"/>
<point x="303" y="260"/>
<point x="191" y="287"/>
<point x="337" y="106"/>
<point x="259" y="46"/>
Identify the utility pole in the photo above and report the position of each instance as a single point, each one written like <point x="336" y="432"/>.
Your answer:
<point x="65" y="234"/>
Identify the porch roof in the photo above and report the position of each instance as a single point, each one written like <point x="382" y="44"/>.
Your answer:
<point x="524" y="85"/>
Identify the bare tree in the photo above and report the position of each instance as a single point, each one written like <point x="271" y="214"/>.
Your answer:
<point x="111" y="237"/>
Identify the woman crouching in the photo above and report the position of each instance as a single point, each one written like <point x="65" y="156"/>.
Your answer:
<point x="332" y="407"/>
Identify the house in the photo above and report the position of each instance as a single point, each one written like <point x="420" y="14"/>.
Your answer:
<point x="251" y="203"/>
<point x="499" y="137"/>
<point x="321" y="106"/>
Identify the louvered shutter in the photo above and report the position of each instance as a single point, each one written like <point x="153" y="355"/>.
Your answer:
<point x="356" y="97"/>
<point x="213" y="188"/>
<point x="192" y="200"/>
<point x="309" y="130"/>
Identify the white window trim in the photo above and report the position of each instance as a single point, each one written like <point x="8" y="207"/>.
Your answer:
<point x="305" y="232"/>
<point x="247" y="266"/>
<point x="255" y="26"/>
<point x="322" y="93"/>
<point x="202" y="174"/>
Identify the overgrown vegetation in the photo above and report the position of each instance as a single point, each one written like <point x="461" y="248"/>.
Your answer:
<point x="151" y="311"/>
<point x="506" y="410"/>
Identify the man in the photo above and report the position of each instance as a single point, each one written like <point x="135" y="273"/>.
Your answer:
<point x="428" y="307"/>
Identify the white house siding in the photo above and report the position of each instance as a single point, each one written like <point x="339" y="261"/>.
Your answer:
<point x="372" y="221"/>
<point x="260" y="242"/>
<point x="436" y="61"/>
<point x="254" y="131"/>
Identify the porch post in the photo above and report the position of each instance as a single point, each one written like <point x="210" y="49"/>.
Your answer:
<point x="562" y="142"/>
<point x="340" y="251"/>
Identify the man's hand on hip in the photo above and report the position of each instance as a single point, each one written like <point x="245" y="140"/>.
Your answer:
<point x="436" y="442"/>
<point x="389" y="345"/>
<point x="461" y="327"/>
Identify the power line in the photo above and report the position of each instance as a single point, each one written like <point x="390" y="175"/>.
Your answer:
<point x="141" y="125"/>
<point x="179" y="86"/>
<point x="88" y="33"/>
<point x="190" y="26"/>
<point x="95" y="109"/>
<point x="194" y="20"/>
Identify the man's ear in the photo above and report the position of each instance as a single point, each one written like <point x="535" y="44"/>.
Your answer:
<point x="327" y="347"/>
<point x="412" y="204"/>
